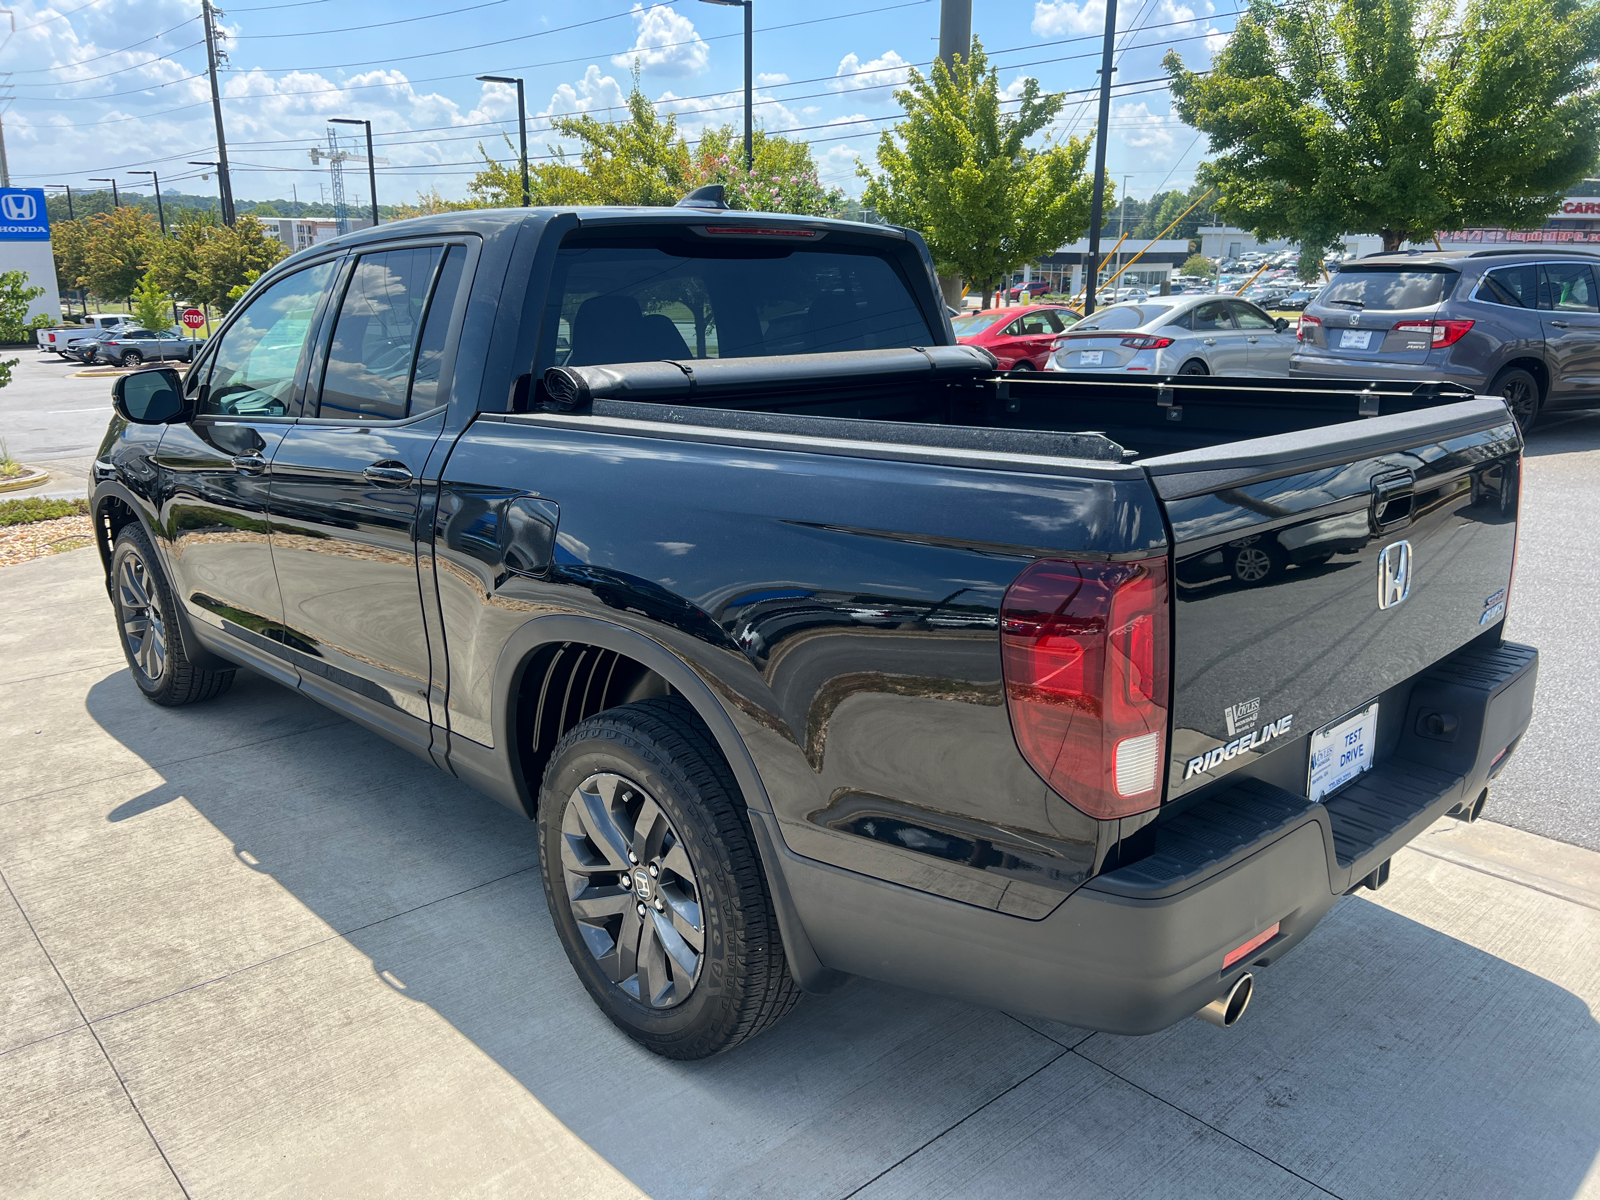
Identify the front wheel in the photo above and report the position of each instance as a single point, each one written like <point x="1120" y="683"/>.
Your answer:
<point x="655" y="885"/>
<point x="151" y="640"/>
<point x="1520" y="390"/>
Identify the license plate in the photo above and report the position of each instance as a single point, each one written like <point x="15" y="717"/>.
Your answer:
<point x="1355" y="339"/>
<point x="1089" y="358"/>
<point x="1342" y="750"/>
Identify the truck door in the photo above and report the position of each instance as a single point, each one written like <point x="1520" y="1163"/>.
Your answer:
<point x="347" y="481"/>
<point x="215" y="472"/>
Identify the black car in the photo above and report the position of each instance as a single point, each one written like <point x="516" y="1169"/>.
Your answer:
<point x="1296" y="301"/>
<point x="815" y="645"/>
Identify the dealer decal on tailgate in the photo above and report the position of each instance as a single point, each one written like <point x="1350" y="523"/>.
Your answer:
<point x="1251" y="741"/>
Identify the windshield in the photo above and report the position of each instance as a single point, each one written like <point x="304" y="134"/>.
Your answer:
<point x="1123" y="316"/>
<point x="975" y="323"/>
<point x="1387" y="288"/>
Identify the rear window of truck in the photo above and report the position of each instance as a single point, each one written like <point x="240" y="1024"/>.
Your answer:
<point x="642" y="301"/>
<point x="1387" y="288"/>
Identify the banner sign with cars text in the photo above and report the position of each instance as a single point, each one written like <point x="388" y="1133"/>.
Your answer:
<point x="23" y="216"/>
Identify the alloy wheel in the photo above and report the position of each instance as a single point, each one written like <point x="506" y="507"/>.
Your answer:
<point x="1521" y="398"/>
<point x="143" y="630"/>
<point x="1252" y="564"/>
<point x="632" y="890"/>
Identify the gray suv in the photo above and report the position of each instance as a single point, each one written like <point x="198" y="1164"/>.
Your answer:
<point x="1521" y="324"/>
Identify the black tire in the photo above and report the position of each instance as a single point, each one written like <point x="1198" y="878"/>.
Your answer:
<point x="152" y="639"/>
<point x="1021" y="367"/>
<point x="1257" y="561"/>
<point x="131" y="358"/>
<point x="1520" y="390"/>
<point x="1194" y="367"/>
<point x="592" y="808"/>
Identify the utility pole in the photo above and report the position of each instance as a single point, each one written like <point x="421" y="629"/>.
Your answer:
<point x="224" y="182"/>
<point x="955" y="31"/>
<point x="522" y="128"/>
<point x="1097" y="209"/>
<point x="215" y="167"/>
<point x="161" y="215"/>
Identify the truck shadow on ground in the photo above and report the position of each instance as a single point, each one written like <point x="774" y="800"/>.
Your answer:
<point x="1565" y="433"/>
<point x="1383" y="1058"/>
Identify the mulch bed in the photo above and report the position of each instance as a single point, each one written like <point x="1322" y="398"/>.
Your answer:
<point x="20" y="543"/>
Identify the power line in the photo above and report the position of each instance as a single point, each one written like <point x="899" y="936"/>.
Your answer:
<point x="108" y="54"/>
<point x="375" y="24"/>
<point x="120" y="71"/>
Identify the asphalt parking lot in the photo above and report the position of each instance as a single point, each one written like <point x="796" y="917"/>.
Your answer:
<point x="247" y="948"/>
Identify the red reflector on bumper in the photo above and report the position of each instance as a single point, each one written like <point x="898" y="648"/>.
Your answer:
<point x="1250" y="947"/>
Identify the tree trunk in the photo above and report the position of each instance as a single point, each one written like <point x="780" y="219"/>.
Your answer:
<point x="1392" y="241"/>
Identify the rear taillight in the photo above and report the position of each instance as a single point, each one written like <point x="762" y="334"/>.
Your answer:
<point x="1147" y="343"/>
<point x="1442" y="333"/>
<point x="1086" y="658"/>
<point x="1305" y="323"/>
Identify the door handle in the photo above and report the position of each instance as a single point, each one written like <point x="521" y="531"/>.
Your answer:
<point x="249" y="464"/>
<point x="1252" y="340"/>
<point x="388" y="474"/>
<point x="1208" y="341"/>
<point x="1560" y="324"/>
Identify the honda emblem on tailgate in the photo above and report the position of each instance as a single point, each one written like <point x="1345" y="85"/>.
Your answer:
<point x="1394" y="574"/>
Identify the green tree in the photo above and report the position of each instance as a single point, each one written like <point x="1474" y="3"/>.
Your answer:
<point x="152" y="306"/>
<point x="960" y="172"/>
<point x="1198" y="264"/>
<point x="15" y="298"/>
<point x="1397" y="117"/>
<point x="69" y="241"/>
<point x="233" y="256"/>
<point x="120" y="247"/>
<point x="643" y="160"/>
<point x="1165" y="208"/>
<point x="176" y="264"/>
<point x="783" y="175"/>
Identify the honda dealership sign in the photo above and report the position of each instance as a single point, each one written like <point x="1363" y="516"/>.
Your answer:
<point x="23" y="216"/>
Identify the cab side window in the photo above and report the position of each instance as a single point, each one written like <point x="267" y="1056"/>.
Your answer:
<point x="253" y="368"/>
<point x="375" y="335"/>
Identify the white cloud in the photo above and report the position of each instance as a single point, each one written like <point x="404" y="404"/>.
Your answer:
<point x="667" y="44"/>
<point x="695" y="113"/>
<point x="1140" y="129"/>
<point x="1014" y="89"/>
<point x="888" y="70"/>
<point x="1216" y="40"/>
<point x="594" y="93"/>
<point x="837" y="168"/>
<point x="771" y="78"/>
<point x="1055" y="18"/>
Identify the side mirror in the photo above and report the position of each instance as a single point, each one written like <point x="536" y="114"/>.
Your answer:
<point x="1281" y="322"/>
<point x="153" y="397"/>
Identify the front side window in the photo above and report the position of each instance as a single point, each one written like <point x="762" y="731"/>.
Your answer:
<point x="253" y="369"/>
<point x="1250" y="317"/>
<point x="1567" y="287"/>
<point x="375" y="334"/>
<point x="686" y="298"/>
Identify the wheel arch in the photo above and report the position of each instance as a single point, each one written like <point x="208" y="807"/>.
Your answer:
<point x="1533" y="366"/>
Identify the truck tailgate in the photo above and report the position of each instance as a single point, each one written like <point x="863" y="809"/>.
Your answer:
<point x="1314" y="570"/>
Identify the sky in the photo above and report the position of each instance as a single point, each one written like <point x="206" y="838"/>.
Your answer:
<point x="109" y="87"/>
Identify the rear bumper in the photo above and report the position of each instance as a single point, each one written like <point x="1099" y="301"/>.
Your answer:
<point x="1140" y="948"/>
<point x="1315" y="364"/>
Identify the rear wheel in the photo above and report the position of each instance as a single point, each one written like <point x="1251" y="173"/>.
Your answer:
<point x="131" y="358"/>
<point x="151" y="639"/>
<point x="655" y="885"/>
<point x="1257" y="561"/>
<point x="1520" y="390"/>
<point x="1021" y="366"/>
<point x="1194" y="367"/>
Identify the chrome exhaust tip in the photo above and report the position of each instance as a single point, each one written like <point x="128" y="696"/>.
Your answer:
<point x="1224" y="1012"/>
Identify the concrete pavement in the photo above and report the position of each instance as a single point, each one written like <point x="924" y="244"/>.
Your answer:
<point x="250" y="949"/>
<point x="50" y="418"/>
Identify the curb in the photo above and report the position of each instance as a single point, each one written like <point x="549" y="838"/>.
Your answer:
<point x="35" y="476"/>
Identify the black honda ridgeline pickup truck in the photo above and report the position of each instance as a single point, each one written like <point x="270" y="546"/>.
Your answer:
<point x="815" y="646"/>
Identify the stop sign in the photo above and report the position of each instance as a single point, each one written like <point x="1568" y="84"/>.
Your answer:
<point x="193" y="318"/>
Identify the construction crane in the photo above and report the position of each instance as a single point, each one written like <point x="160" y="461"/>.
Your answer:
<point x="336" y="156"/>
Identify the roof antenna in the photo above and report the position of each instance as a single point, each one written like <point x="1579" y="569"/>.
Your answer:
<point x="712" y="196"/>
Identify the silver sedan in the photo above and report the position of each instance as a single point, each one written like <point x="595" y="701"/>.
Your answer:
<point x="1178" y="335"/>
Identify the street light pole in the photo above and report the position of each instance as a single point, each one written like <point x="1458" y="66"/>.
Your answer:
<point x="372" y="166"/>
<point x="749" y="76"/>
<point x="68" y="187"/>
<point x="160" y="212"/>
<point x="1097" y="208"/>
<point x="116" y="201"/>
<point x="522" y="127"/>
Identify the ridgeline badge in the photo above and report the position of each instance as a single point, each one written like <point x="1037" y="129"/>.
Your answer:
<point x="1252" y="741"/>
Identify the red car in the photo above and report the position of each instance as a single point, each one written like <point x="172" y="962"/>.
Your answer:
<point x="1019" y="337"/>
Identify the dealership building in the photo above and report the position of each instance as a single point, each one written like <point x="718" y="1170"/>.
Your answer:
<point x="25" y="246"/>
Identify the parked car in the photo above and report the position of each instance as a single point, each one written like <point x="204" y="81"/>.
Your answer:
<point x="1178" y="335"/>
<point x="1520" y="324"/>
<point x="130" y="347"/>
<point x="890" y="674"/>
<point x="1032" y="290"/>
<point x="1019" y="338"/>
<point x="86" y="348"/>
<point x="58" y="337"/>
<point x="1296" y="301"/>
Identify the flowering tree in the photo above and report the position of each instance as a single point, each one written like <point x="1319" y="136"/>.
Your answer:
<point x="782" y="180"/>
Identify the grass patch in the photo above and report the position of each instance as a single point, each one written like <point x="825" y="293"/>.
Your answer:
<point x="10" y="468"/>
<point x="26" y="512"/>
